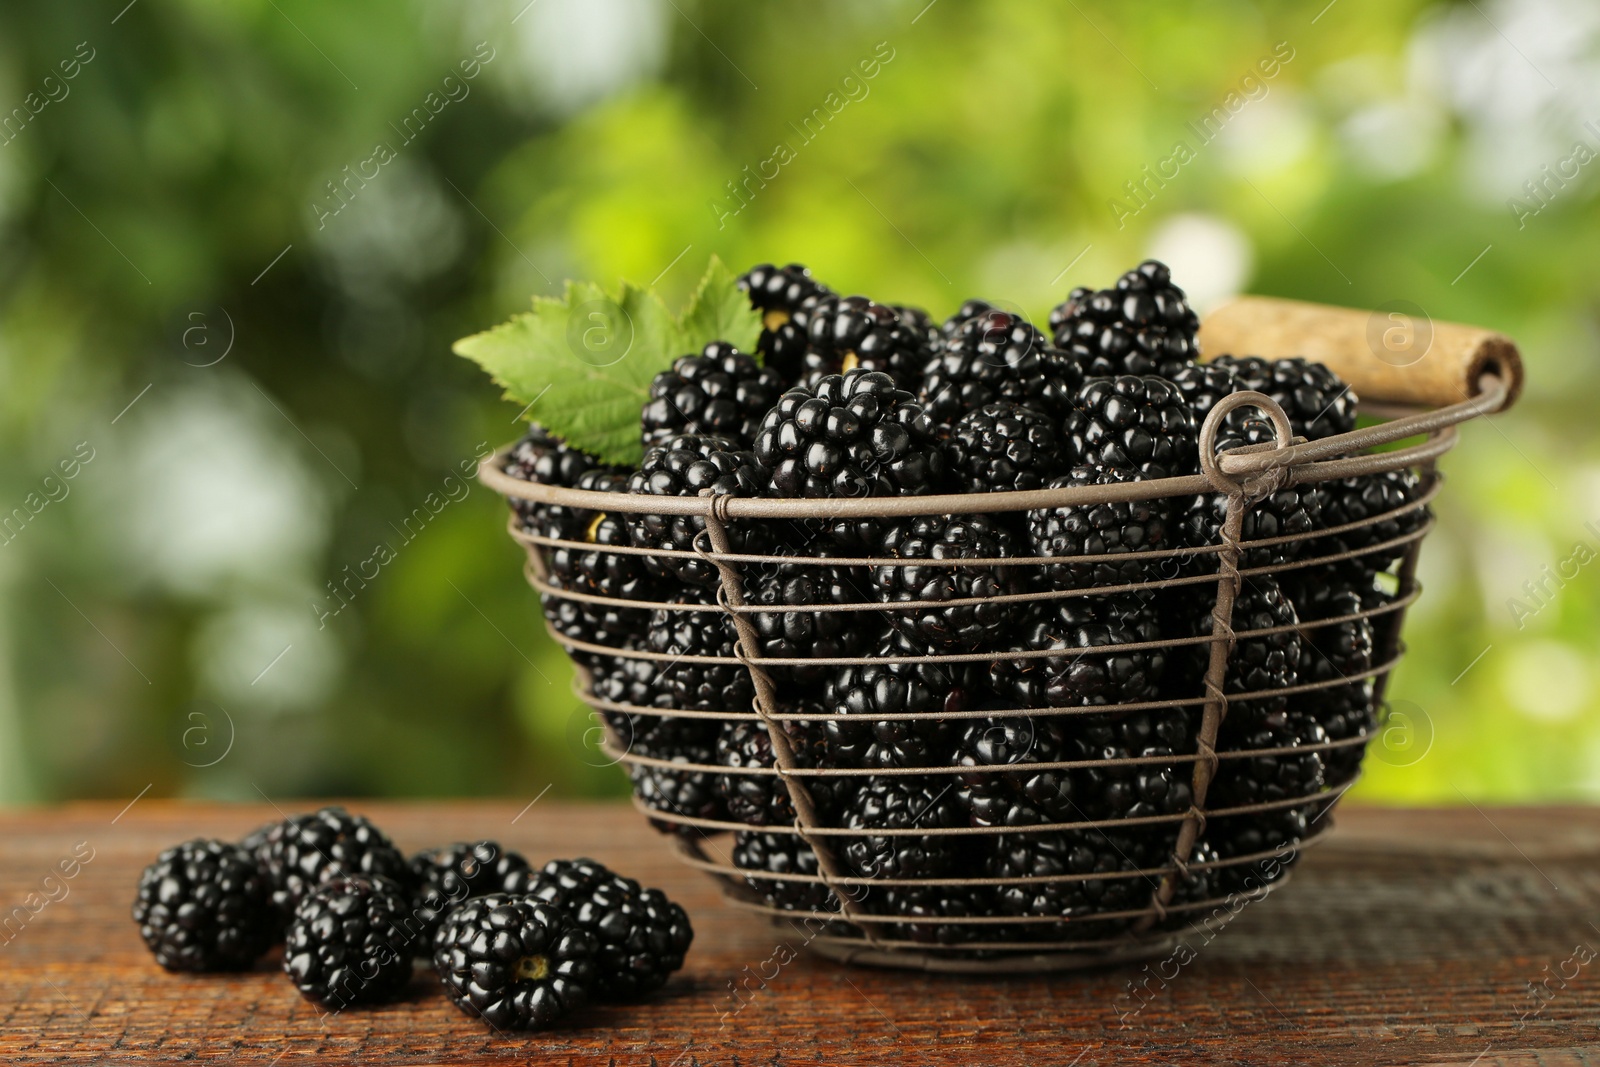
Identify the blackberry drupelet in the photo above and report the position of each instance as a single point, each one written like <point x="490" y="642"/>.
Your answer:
<point x="1362" y="498"/>
<point x="1106" y="531"/>
<point x="1004" y="446"/>
<point x="692" y="686"/>
<point x="1143" y="325"/>
<point x="1075" y="855"/>
<point x="1202" y="385"/>
<point x="784" y="296"/>
<point x="1080" y="677"/>
<point x="515" y="962"/>
<point x="1262" y="662"/>
<point x="1132" y="791"/>
<point x="788" y="856"/>
<point x="763" y="799"/>
<point x="721" y="392"/>
<point x="640" y="936"/>
<point x="691" y="793"/>
<point x="683" y="466"/>
<point x="1026" y="796"/>
<point x="205" y="906"/>
<point x="855" y="435"/>
<point x="992" y="356"/>
<point x="904" y="802"/>
<point x="799" y="634"/>
<point x="1290" y="510"/>
<point x="351" y="942"/>
<point x="444" y="877"/>
<point x="850" y="332"/>
<point x="960" y="627"/>
<point x="855" y="695"/>
<point x="1136" y="423"/>
<point x="1319" y="404"/>
<point x="304" y="851"/>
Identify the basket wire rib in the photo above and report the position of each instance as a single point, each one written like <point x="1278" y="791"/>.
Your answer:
<point x="1244" y="476"/>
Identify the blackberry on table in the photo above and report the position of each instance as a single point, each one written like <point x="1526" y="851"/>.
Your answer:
<point x="784" y="296"/>
<point x="640" y="936"/>
<point x="1105" y="531"/>
<point x="686" y="792"/>
<point x="763" y="799"/>
<point x="993" y="356"/>
<point x="1003" y="446"/>
<point x="695" y="686"/>
<point x="683" y="466"/>
<point x="1363" y="498"/>
<point x="304" y="851"/>
<point x="721" y="392"/>
<point x="1132" y="791"/>
<point x="903" y="802"/>
<point x="351" y="942"/>
<point x="856" y="695"/>
<point x="1318" y="402"/>
<point x="851" y="332"/>
<point x="788" y="856"/>
<point x="1027" y="795"/>
<point x="1136" y="423"/>
<point x="1074" y="856"/>
<point x="204" y="905"/>
<point x="1290" y="510"/>
<point x="516" y="962"/>
<point x="1078" y="676"/>
<point x="960" y="627"/>
<point x="1143" y="325"/>
<point x="444" y="877"/>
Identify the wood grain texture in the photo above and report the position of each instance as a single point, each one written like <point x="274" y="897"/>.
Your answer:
<point x="1410" y="937"/>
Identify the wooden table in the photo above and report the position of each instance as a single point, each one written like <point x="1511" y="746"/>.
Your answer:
<point x="1410" y="937"/>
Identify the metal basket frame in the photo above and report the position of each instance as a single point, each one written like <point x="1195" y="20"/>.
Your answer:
<point x="1244" y="475"/>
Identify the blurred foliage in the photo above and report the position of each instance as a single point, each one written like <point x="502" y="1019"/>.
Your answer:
<point x="168" y="240"/>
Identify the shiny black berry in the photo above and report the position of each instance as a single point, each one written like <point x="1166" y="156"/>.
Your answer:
<point x="684" y="466"/>
<point x="1102" y="533"/>
<point x="996" y="355"/>
<point x="690" y="685"/>
<point x="304" y="851"/>
<point x="441" y="878"/>
<point x="784" y="296"/>
<point x="514" y="961"/>
<point x="1002" y="784"/>
<point x="1136" y="423"/>
<point x="856" y="695"/>
<point x="1318" y="402"/>
<point x="1004" y="446"/>
<point x="852" y="332"/>
<point x="1090" y="665"/>
<point x="351" y="942"/>
<point x="1143" y="325"/>
<point x="793" y="864"/>
<point x="721" y="391"/>
<point x="904" y="802"/>
<point x="683" y="792"/>
<point x="762" y="799"/>
<point x="937" y="538"/>
<point x="205" y="906"/>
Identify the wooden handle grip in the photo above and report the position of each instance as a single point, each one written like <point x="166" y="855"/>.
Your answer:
<point x="1391" y="356"/>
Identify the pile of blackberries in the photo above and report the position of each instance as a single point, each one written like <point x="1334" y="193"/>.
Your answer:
<point x="518" y="947"/>
<point x="851" y="398"/>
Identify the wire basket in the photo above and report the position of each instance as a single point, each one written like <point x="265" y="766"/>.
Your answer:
<point x="1189" y="886"/>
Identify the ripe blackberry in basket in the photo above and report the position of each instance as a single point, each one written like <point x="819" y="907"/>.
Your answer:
<point x="1026" y="796"/>
<point x="1261" y="662"/>
<point x="855" y="435"/>
<point x="1273" y="836"/>
<point x="855" y="695"/>
<point x="1131" y="791"/>
<point x="688" y="793"/>
<point x="640" y="936"/>
<point x="1336" y="652"/>
<point x="763" y="799"/>
<point x="721" y="391"/>
<point x="304" y="851"/>
<point x="1291" y="510"/>
<point x="799" y="634"/>
<point x="351" y="942"/>
<point x="515" y="962"/>
<point x="992" y="356"/>
<point x="205" y="906"/>
<point x="1143" y="325"/>
<point x="593" y="571"/>
<point x="850" y="332"/>
<point x="1078" y="676"/>
<point x="935" y="914"/>
<point x="903" y="802"/>
<point x="683" y="466"/>
<point x="691" y="685"/>
<point x="1136" y="423"/>
<point x="785" y="855"/>
<point x="970" y="308"/>
<point x="1072" y="855"/>
<point x="1004" y="446"/>
<point x="784" y="296"/>
<point x="1259" y="779"/>
<point x="443" y="877"/>
<point x="540" y="457"/>
<point x="1363" y="499"/>
<point x="1104" y="531"/>
<point x="1319" y="404"/>
<point x="639" y="682"/>
<point x="960" y="627"/>
<point x="1203" y="384"/>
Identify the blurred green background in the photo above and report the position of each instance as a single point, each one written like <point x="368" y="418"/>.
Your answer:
<point x="228" y="315"/>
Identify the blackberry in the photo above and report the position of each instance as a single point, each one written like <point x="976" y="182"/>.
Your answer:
<point x="1105" y="532"/>
<point x="1362" y="499"/>
<point x="593" y="571"/>
<point x="918" y="320"/>
<point x="970" y="308"/>
<point x="856" y="694"/>
<point x="1027" y="796"/>
<point x="640" y="936"/>
<point x="763" y="799"/>
<point x="960" y="627"/>
<point x="1263" y="662"/>
<point x="1273" y="835"/>
<point x="1291" y="510"/>
<point x="850" y="332"/>
<point x="799" y="634"/>
<point x="1319" y="404"/>
<point x="788" y="856"/>
<point x="515" y="962"/>
<point x="1202" y="385"/>
<point x="1133" y="791"/>
<point x="992" y="356"/>
<point x="683" y="466"/>
<point x="1143" y="325"/>
<point x="721" y="391"/>
<point x="1073" y="856"/>
<point x="936" y="914"/>
<point x="1004" y="446"/>
<point x="540" y="457"/>
<point x="904" y="802"/>
<point x="784" y="296"/>
<point x="1337" y="652"/>
<point x="205" y="906"/>
<point x="855" y="435"/>
<point x="351" y="942"/>
<point x="304" y="851"/>
<point x="444" y="877"/>
<point x="1136" y="423"/>
<point x="1078" y="677"/>
<point x="693" y="686"/>
<point x="691" y="793"/>
<point x="1265" y="778"/>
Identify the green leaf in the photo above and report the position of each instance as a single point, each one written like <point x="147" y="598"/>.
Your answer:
<point x="582" y="364"/>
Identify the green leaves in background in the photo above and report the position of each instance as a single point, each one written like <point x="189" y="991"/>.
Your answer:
<point x="582" y="363"/>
